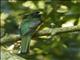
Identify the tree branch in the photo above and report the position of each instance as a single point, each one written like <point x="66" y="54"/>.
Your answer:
<point x="49" y="31"/>
<point x="60" y="30"/>
<point x="10" y="38"/>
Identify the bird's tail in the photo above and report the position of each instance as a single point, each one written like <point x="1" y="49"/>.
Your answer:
<point x="25" y="44"/>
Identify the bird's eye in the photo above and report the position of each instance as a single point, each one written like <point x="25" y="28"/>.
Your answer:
<point x="37" y="12"/>
<point x="36" y="15"/>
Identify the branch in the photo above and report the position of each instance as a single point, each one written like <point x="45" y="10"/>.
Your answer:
<point x="59" y="30"/>
<point x="10" y="38"/>
<point x="50" y="31"/>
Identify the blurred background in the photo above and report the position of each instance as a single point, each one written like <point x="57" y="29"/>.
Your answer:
<point x="56" y="13"/>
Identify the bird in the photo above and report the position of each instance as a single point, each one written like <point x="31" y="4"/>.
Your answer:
<point x="28" y="26"/>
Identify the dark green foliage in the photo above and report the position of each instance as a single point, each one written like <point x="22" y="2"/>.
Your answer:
<point x="11" y="25"/>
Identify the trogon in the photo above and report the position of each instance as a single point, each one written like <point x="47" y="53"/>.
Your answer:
<point x="28" y="26"/>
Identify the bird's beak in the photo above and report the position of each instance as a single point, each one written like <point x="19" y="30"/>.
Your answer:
<point x="41" y="13"/>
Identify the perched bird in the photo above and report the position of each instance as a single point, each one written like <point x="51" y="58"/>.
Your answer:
<point x="28" y="26"/>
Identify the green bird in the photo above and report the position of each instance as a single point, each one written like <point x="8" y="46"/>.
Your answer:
<point x="28" y="27"/>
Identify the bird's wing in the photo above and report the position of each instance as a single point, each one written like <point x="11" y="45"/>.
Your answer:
<point x="28" y="26"/>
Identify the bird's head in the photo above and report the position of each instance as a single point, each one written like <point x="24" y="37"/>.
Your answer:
<point x="36" y="14"/>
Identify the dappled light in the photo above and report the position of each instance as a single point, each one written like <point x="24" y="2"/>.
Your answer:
<point x="54" y="34"/>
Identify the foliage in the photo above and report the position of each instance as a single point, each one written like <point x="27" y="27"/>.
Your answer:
<point x="56" y="14"/>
